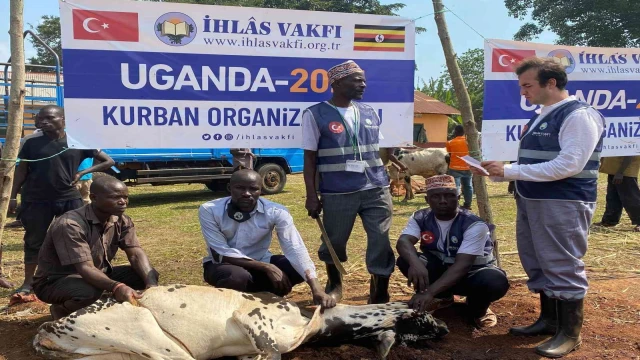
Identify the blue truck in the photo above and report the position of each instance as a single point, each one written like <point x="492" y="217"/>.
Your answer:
<point x="211" y="167"/>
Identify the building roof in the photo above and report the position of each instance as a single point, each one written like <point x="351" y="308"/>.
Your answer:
<point x="424" y="104"/>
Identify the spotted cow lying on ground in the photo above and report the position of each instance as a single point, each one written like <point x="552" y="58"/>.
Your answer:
<point x="195" y="322"/>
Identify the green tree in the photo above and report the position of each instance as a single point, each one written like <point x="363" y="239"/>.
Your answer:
<point x="471" y="64"/>
<point x="610" y="23"/>
<point x="49" y="31"/>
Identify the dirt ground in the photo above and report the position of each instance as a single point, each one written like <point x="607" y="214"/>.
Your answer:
<point x="611" y="330"/>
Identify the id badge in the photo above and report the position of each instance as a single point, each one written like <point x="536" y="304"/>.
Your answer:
<point x="355" y="166"/>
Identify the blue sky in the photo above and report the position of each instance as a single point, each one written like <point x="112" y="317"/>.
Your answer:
<point x="488" y="17"/>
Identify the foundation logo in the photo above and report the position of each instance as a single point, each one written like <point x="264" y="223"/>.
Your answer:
<point x="175" y="29"/>
<point x="564" y="58"/>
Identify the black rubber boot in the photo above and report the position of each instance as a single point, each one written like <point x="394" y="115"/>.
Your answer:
<point x="546" y="324"/>
<point x="334" y="283"/>
<point x="567" y="338"/>
<point x="378" y="290"/>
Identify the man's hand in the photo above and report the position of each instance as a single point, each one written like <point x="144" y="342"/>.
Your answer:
<point x="314" y="206"/>
<point x="76" y="178"/>
<point x="13" y="205"/>
<point x="617" y="179"/>
<point x="494" y="168"/>
<point x="279" y="280"/>
<point x="124" y="293"/>
<point x="477" y="172"/>
<point x="420" y="302"/>
<point x="418" y="276"/>
<point x="325" y="301"/>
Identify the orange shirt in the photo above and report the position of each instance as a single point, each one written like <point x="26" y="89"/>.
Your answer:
<point x="458" y="147"/>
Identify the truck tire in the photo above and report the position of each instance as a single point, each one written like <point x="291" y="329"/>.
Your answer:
<point x="273" y="178"/>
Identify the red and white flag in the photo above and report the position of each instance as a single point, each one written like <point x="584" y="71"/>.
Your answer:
<point x="105" y="25"/>
<point x="506" y="60"/>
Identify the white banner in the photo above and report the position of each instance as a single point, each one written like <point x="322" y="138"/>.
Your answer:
<point x="606" y="78"/>
<point x="170" y="75"/>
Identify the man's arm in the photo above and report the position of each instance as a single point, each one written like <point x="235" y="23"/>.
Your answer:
<point x="310" y="139"/>
<point x="312" y="204"/>
<point x="463" y="263"/>
<point x="453" y="275"/>
<point x="19" y="177"/>
<point x="578" y="137"/>
<point x="475" y="238"/>
<point x="395" y="160"/>
<point x="140" y="263"/>
<point x="101" y="162"/>
<point x="617" y="178"/>
<point x="296" y="252"/>
<point x="98" y="279"/>
<point x="418" y="276"/>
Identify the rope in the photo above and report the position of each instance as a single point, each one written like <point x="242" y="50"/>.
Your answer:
<point x="433" y="13"/>
<point x="34" y="160"/>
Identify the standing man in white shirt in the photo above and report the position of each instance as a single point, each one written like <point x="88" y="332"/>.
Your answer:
<point x="341" y="150"/>
<point x="556" y="179"/>
<point x="237" y="231"/>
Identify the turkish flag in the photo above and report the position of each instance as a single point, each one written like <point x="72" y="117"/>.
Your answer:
<point x="105" y="25"/>
<point x="506" y="60"/>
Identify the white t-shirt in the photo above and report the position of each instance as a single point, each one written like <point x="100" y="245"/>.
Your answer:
<point x="474" y="242"/>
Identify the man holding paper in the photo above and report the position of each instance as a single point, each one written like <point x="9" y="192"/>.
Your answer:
<point x="556" y="184"/>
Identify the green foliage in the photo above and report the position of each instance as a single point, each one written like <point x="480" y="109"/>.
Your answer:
<point x="49" y="31"/>
<point x="610" y="23"/>
<point x="471" y="65"/>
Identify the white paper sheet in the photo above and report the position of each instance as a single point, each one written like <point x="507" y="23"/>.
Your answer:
<point x="473" y="162"/>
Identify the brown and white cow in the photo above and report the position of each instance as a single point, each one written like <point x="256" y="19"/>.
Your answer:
<point x="195" y="322"/>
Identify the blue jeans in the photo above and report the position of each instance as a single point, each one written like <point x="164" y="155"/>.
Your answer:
<point x="463" y="177"/>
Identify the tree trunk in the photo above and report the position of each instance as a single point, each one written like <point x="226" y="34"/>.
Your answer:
<point x="16" y="111"/>
<point x="479" y="184"/>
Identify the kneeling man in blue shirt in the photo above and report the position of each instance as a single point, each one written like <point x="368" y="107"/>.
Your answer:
<point x="237" y="231"/>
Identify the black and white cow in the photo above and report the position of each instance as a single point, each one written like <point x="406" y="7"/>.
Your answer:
<point x="195" y="322"/>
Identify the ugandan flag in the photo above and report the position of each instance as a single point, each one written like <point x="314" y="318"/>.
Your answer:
<point x="378" y="38"/>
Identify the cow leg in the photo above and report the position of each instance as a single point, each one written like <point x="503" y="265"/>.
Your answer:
<point x="386" y="340"/>
<point x="254" y="326"/>
<point x="409" y="190"/>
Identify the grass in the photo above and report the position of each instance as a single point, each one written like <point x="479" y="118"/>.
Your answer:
<point x="166" y="219"/>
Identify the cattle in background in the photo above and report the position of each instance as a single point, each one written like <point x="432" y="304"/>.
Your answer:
<point x="423" y="162"/>
<point x="195" y="322"/>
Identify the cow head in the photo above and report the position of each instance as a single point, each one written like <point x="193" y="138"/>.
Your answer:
<point x="386" y="323"/>
<point x="414" y="327"/>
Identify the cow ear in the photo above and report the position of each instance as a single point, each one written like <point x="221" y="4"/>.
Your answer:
<point x="386" y="340"/>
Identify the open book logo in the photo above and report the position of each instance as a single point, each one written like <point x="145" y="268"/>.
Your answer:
<point x="175" y="29"/>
